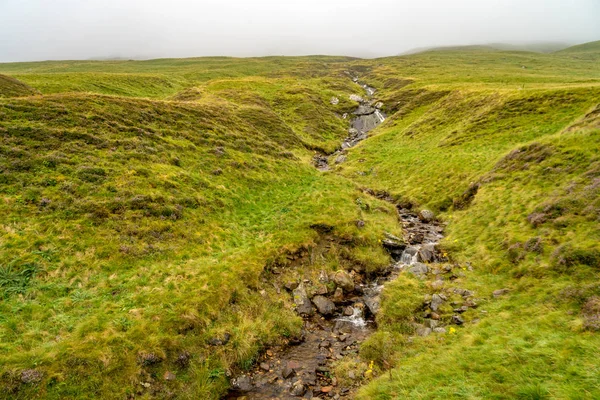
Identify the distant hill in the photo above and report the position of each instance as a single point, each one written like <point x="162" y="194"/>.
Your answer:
<point x="536" y="47"/>
<point x="590" y="47"/>
<point x="11" y="87"/>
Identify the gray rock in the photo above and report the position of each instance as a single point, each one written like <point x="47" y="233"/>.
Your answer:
<point x="340" y="159"/>
<point x="419" y="269"/>
<point x="436" y="302"/>
<point x="427" y="253"/>
<point x="355" y="97"/>
<point x="303" y="304"/>
<point x="457" y="320"/>
<point x="439" y="329"/>
<point x="342" y="279"/>
<point x="324" y="305"/>
<point x="500" y="292"/>
<point x="364" y="109"/>
<point x="298" y="389"/>
<point x="431" y="323"/>
<point x="338" y="296"/>
<point x="265" y="366"/>
<point x="360" y="223"/>
<point x="334" y="101"/>
<point x="372" y="303"/>
<point x="379" y="105"/>
<point x="437" y="285"/>
<point x="242" y="384"/>
<point x="423" y="331"/>
<point x="426" y="215"/>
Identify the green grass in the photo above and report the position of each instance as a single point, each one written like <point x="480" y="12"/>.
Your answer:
<point x="145" y="202"/>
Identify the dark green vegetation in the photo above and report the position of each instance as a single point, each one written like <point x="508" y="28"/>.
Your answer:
<point x="144" y="202"/>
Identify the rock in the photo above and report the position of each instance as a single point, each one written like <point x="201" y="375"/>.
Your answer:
<point x="418" y="269"/>
<point x="457" y="320"/>
<point x="500" y="292"/>
<point x="355" y="97"/>
<point x="372" y="303"/>
<point x="298" y="389"/>
<point x="323" y="277"/>
<point x="342" y="279"/>
<point x="324" y="305"/>
<point x="334" y="101"/>
<point x="145" y="358"/>
<point x="340" y="159"/>
<point x="326" y="389"/>
<point x="439" y="329"/>
<point x="394" y="245"/>
<point x="436" y="302"/>
<point x="303" y="304"/>
<point x="288" y="371"/>
<point x="431" y="323"/>
<point x="291" y="285"/>
<point x="423" y="331"/>
<point x="217" y="171"/>
<point x="31" y="376"/>
<point x="437" y="285"/>
<point x="427" y="253"/>
<point x="364" y="109"/>
<point x="348" y="311"/>
<point x="320" y="289"/>
<point x="338" y="296"/>
<point x="461" y="310"/>
<point x="183" y="359"/>
<point x="379" y="105"/>
<point x="169" y="376"/>
<point x="242" y="384"/>
<point x="360" y="223"/>
<point x="435" y="316"/>
<point x="426" y="215"/>
<point x="265" y="366"/>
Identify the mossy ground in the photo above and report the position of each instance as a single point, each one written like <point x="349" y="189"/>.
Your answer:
<point x="142" y="202"/>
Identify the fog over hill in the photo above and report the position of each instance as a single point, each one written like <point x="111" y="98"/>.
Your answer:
<point x="68" y="29"/>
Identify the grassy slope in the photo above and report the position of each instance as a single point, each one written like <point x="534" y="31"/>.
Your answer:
<point x="529" y="139"/>
<point x="11" y="87"/>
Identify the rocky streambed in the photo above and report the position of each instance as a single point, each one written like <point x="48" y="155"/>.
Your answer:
<point x="366" y="117"/>
<point x="339" y="310"/>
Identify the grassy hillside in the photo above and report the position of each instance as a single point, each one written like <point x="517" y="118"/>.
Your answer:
<point x="146" y="204"/>
<point x="11" y="87"/>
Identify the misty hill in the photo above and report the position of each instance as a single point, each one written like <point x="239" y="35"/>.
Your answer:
<point x="164" y="226"/>
<point x="537" y="47"/>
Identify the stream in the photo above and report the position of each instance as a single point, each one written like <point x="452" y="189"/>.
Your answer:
<point x="335" y="323"/>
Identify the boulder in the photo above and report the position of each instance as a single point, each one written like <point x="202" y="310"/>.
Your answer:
<point x="372" y="303"/>
<point x="457" y="320"/>
<point x="324" y="305"/>
<point x="423" y="331"/>
<point x="302" y="302"/>
<point x="338" y="296"/>
<point x="344" y="280"/>
<point x="436" y="302"/>
<point x="340" y="159"/>
<point x="426" y="215"/>
<point x="242" y="384"/>
<point x="419" y="269"/>
<point x="427" y="253"/>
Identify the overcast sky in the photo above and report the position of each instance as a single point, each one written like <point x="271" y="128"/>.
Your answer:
<point x="82" y="29"/>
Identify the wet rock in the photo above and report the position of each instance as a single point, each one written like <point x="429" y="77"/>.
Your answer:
<point x="242" y="384"/>
<point x="364" y="109"/>
<point x="500" y="292"/>
<point x="324" y="305"/>
<point x="298" y="389"/>
<point x="334" y="101"/>
<point x="265" y="366"/>
<point x="419" y="269"/>
<point x="302" y="302"/>
<point x="338" y="296"/>
<point x="342" y="279"/>
<point x="436" y="302"/>
<point x="457" y="320"/>
<point x="426" y="215"/>
<point x="288" y="371"/>
<point x="31" y="376"/>
<point x="348" y="311"/>
<point x="373" y="304"/>
<point x="427" y="253"/>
